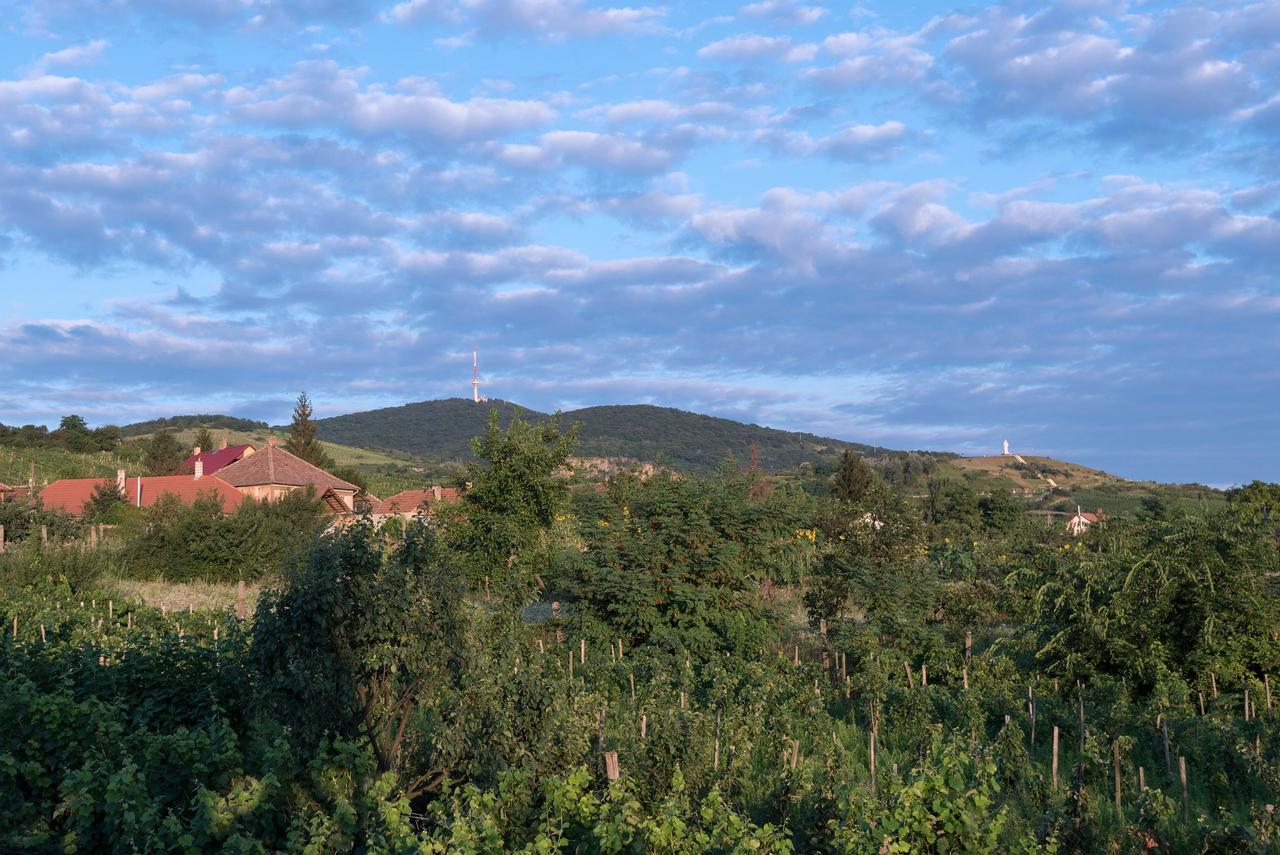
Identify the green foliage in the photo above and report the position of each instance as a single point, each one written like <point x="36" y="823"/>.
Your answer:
<point x="852" y="478"/>
<point x="163" y="454"/>
<point x="203" y="439"/>
<point x="509" y="510"/>
<point x="329" y="668"/>
<point x="386" y="699"/>
<point x="103" y="503"/>
<point x="302" y="440"/>
<point x="680" y="562"/>
<point x="177" y="423"/>
<point x="179" y="542"/>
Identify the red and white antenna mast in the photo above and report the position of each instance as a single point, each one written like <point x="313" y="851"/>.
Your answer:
<point x="475" y="376"/>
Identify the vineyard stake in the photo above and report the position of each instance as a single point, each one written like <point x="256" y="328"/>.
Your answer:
<point x="644" y="725"/>
<point x="1142" y="780"/>
<point x="682" y="700"/>
<point x="968" y="647"/>
<point x="1182" y="774"/>
<point x="1213" y="684"/>
<point x="1164" y="732"/>
<point x="1080" y="697"/>
<point x="1115" y="762"/>
<point x="15" y="626"/>
<point x="1266" y="682"/>
<point x="1246" y="703"/>
<point x="795" y="753"/>
<point x="619" y="649"/>
<point x="911" y="679"/>
<point x="964" y="675"/>
<point x="582" y="648"/>
<point x="1201" y="694"/>
<point x="873" y="759"/>
<point x="632" y="678"/>
<point x="44" y="536"/>
<point x="600" y="731"/>
<point x="571" y="666"/>
<point x="796" y="659"/>
<point x="42" y="633"/>
<point x="1055" y="758"/>
<point x="541" y="648"/>
<point x="111" y="610"/>
<point x="715" y="761"/>
<point x="611" y="770"/>
<point x="1" y="540"/>
<point x="924" y="675"/>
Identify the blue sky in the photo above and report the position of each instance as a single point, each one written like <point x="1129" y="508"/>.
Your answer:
<point x="922" y="225"/>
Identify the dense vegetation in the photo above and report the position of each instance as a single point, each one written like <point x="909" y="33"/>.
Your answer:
<point x="441" y="430"/>
<point x="735" y="653"/>
<point x="176" y="423"/>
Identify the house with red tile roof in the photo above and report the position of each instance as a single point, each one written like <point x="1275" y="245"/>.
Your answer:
<point x="1079" y="523"/>
<point x="272" y="473"/>
<point x="6" y="492"/>
<point x="407" y="503"/>
<point x="70" y="494"/>
<point x="214" y="459"/>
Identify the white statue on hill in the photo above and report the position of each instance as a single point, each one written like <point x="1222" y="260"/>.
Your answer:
<point x="1006" y="448"/>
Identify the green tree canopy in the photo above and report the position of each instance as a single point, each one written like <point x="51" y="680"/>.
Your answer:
<point x="163" y="454"/>
<point x="517" y="490"/>
<point x="302" y="435"/>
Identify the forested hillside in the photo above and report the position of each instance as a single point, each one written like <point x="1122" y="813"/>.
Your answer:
<point x="442" y="430"/>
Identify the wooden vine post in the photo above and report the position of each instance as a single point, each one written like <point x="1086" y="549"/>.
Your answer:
<point x="611" y="770"/>
<point x="1055" y="758"/>
<point x="1115" y="762"/>
<point x="1182" y="774"/>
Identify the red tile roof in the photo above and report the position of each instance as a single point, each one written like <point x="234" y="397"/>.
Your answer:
<point x="70" y="494"/>
<point x="274" y="465"/>
<point x="408" y="501"/>
<point x="214" y="459"/>
<point x="5" y="488"/>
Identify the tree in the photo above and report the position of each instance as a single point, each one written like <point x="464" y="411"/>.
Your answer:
<point x="515" y="495"/>
<point x="163" y="454"/>
<point x="852" y="478"/>
<point x="357" y="641"/>
<point x="105" y="498"/>
<point x="302" y="440"/>
<point x="204" y="439"/>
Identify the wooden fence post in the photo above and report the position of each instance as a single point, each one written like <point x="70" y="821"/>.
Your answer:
<point x="1201" y="694"/>
<point x="1164" y="732"/>
<point x="611" y="770"/>
<point x="1055" y="758"/>
<point x="968" y="647"/>
<point x="644" y="725"/>
<point x="632" y="678"/>
<point x="1182" y="774"/>
<point x="44" y="536"/>
<point x="1142" y="780"/>
<point x="1080" y="697"/>
<point x="1213" y="684"/>
<point x="1115" y="762"/>
<point x="911" y="678"/>
<point x="582" y="651"/>
<point x="1" y="540"/>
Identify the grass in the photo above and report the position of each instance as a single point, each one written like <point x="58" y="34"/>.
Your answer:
<point x="52" y="464"/>
<point x="181" y="596"/>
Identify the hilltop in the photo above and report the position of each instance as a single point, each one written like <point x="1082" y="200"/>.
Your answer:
<point x="1059" y="486"/>
<point x="442" y="430"/>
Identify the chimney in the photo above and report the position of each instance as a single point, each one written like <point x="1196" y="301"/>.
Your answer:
<point x="199" y="469"/>
<point x="196" y="451"/>
<point x="120" y="483"/>
<point x="435" y="492"/>
<point x="222" y="443"/>
<point x="271" y="441"/>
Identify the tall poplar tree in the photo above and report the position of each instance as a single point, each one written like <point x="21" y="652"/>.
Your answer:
<point x="302" y="435"/>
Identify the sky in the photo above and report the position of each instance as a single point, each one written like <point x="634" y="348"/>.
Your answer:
<point x="913" y="224"/>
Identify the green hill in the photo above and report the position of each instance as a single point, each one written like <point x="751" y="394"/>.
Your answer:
<point x="442" y="430"/>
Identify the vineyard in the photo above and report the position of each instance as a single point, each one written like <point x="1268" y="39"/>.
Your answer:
<point x="677" y="665"/>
